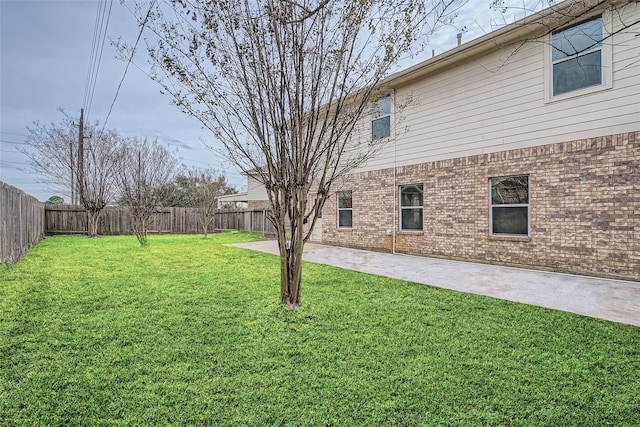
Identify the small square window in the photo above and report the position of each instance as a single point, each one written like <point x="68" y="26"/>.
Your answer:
<point x="381" y="118"/>
<point x="509" y="201"/>
<point x="345" y="209"/>
<point x="411" y="207"/>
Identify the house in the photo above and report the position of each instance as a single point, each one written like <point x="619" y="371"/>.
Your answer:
<point x="520" y="148"/>
<point x="254" y="198"/>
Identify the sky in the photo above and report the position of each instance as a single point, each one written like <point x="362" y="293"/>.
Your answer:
<point x="45" y="50"/>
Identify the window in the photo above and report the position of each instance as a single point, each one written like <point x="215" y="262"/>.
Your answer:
<point x="411" y="207"/>
<point x="381" y="118"/>
<point x="509" y="205"/>
<point x="345" y="209"/>
<point x="577" y="56"/>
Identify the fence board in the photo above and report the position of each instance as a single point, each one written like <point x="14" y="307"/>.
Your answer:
<point x="69" y="219"/>
<point x="21" y="223"/>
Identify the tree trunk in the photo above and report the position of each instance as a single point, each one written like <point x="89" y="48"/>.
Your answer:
<point x="291" y="263"/>
<point x="93" y="218"/>
<point x="140" y="226"/>
<point x="291" y="276"/>
<point x="203" y="223"/>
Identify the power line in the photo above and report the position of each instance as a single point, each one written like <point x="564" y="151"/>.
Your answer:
<point x="99" y="39"/>
<point x="144" y="22"/>
<point x="91" y="57"/>
<point x="20" y="182"/>
<point x="14" y="163"/>
<point x="16" y="134"/>
<point x="13" y="142"/>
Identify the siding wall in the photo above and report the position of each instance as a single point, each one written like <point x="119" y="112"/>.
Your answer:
<point x="584" y="207"/>
<point x="255" y="190"/>
<point x="497" y="103"/>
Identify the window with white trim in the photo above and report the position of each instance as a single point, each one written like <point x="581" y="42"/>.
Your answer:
<point x="411" y="207"/>
<point x="381" y="118"/>
<point x="509" y="201"/>
<point x="577" y="57"/>
<point x="345" y="209"/>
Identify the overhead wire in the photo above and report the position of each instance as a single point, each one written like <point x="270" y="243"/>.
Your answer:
<point x="16" y="134"/>
<point x="133" y="50"/>
<point x="89" y="79"/>
<point x="101" y="26"/>
<point x="14" y="142"/>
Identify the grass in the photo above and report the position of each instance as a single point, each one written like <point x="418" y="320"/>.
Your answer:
<point x="190" y="331"/>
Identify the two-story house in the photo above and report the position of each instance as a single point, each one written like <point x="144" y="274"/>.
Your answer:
<point x="521" y="147"/>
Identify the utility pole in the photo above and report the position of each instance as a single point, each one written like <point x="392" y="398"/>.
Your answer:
<point x="73" y="182"/>
<point x="80" y="172"/>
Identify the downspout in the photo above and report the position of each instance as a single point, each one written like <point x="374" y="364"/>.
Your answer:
<point x="393" y="190"/>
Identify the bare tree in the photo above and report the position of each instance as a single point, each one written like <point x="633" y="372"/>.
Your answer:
<point x="283" y="85"/>
<point x="147" y="169"/>
<point x="53" y="151"/>
<point x="203" y="188"/>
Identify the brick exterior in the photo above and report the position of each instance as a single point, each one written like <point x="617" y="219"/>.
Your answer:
<point x="258" y="204"/>
<point x="584" y="214"/>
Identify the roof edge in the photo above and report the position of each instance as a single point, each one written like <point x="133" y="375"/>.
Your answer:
<point x="534" y="25"/>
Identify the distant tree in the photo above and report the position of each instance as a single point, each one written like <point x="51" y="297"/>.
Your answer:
<point x="230" y="190"/>
<point x="283" y="85"/>
<point x="205" y="186"/>
<point x="147" y="170"/>
<point x="54" y="154"/>
<point x="200" y="188"/>
<point x="55" y="200"/>
<point x="181" y="191"/>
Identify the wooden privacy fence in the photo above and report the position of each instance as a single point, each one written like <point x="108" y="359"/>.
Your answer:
<point x="70" y="219"/>
<point x="21" y="223"/>
<point x="24" y="221"/>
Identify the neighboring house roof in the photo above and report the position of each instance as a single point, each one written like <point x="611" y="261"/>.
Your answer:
<point x="239" y="197"/>
<point x="255" y="192"/>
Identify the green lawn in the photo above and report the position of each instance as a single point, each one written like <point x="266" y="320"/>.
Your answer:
<point x="191" y="332"/>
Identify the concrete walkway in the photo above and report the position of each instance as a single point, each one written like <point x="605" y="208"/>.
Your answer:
<point x="615" y="300"/>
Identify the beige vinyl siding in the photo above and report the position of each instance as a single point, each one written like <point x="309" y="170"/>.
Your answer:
<point x="489" y="105"/>
<point x="255" y="190"/>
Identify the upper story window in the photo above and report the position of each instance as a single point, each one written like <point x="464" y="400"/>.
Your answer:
<point x="345" y="209"/>
<point x="509" y="201"/>
<point x="381" y="118"/>
<point x="577" y="56"/>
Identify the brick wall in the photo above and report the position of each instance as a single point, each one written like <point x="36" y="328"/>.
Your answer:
<point x="584" y="199"/>
<point x="258" y="204"/>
